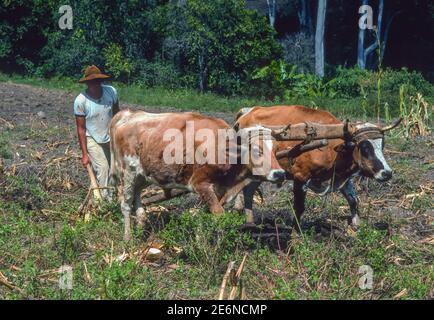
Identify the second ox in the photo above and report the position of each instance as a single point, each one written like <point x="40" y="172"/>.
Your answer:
<point x="327" y="169"/>
<point x="140" y="153"/>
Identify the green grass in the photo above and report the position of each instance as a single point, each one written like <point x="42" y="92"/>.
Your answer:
<point x="188" y="99"/>
<point x="5" y="149"/>
<point x="314" y="270"/>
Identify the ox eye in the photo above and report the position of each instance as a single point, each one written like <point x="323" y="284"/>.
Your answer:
<point x="364" y="148"/>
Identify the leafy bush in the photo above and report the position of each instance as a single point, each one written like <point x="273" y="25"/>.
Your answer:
<point x="353" y="82"/>
<point x="158" y="74"/>
<point x="414" y="80"/>
<point x="219" y="43"/>
<point x="283" y="80"/>
<point x="22" y="34"/>
<point x="115" y="62"/>
<point x="110" y="34"/>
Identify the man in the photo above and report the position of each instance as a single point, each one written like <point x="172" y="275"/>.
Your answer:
<point x="94" y="108"/>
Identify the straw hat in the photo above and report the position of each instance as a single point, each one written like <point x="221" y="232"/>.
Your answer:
<point x="92" y="73"/>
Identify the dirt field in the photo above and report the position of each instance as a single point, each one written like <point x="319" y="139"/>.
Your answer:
<point x="41" y="178"/>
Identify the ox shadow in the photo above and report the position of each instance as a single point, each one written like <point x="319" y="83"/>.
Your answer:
<point x="274" y="229"/>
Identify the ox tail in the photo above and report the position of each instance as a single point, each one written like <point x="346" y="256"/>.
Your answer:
<point x="114" y="166"/>
<point x="114" y="175"/>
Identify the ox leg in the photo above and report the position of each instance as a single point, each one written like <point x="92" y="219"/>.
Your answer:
<point x="350" y="194"/>
<point x="126" y="205"/>
<point x="248" y="193"/>
<point x="299" y="207"/>
<point x="138" y="206"/>
<point x="208" y="195"/>
<point x="239" y="203"/>
<point x="127" y="202"/>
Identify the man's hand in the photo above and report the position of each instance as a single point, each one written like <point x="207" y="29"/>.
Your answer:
<point x="85" y="160"/>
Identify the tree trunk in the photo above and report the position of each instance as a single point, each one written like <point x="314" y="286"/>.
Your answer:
<point x="386" y="34"/>
<point x="319" y="38"/>
<point x="377" y="40"/>
<point x="272" y="12"/>
<point x="361" y="62"/>
<point x="304" y="17"/>
<point x="203" y="70"/>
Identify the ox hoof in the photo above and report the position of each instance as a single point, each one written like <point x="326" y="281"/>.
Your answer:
<point x="249" y="226"/>
<point x="355" y="222"/>
<point x="141" y="217"/>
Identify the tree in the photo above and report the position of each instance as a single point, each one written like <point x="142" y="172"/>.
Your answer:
<point x="219" y="43"/>
<point x="319" y="38"/>
<point x="305" y="17"/>
<point x="364" y="55"/>
<point x="271" y="12"/>
<point x="361" y="61"/>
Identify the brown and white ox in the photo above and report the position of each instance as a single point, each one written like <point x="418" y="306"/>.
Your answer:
<point x="140" y="149"/>
<point x="327" y="169"/>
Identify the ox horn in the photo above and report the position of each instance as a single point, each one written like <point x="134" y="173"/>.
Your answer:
<point x="393" y="126"/>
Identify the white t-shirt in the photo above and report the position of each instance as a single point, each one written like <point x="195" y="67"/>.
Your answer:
<point x="98" y="113"/>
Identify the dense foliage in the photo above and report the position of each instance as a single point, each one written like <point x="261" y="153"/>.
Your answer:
<point x="224" y="46"/>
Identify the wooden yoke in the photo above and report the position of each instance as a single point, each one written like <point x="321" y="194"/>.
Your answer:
<point x="301" y="148"/>
<point x="309" y="131"/>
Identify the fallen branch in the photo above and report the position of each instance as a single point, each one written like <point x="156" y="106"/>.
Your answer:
<point x="236" y="281"/>
<point x="10" y="286"/>
<point x="84" y="204"/>
<point x="225" y="280"/>
<point x="8" y="124"/>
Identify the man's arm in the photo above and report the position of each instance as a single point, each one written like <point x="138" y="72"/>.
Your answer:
<point x="81" y="131"/>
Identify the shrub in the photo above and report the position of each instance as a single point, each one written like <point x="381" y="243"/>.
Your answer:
<point x="282" y="80"/>
<point x="219" y="43"/>
<point x="353" y="82"/>
<point x="115" y="62"/>
<point x="157" y="74"/>
<point x="298" y="49"/>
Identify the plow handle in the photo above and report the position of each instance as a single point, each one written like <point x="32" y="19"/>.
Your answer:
<point x="93" y="183"/>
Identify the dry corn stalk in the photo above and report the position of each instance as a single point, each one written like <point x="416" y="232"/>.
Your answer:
<point x="235" y="280"/>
